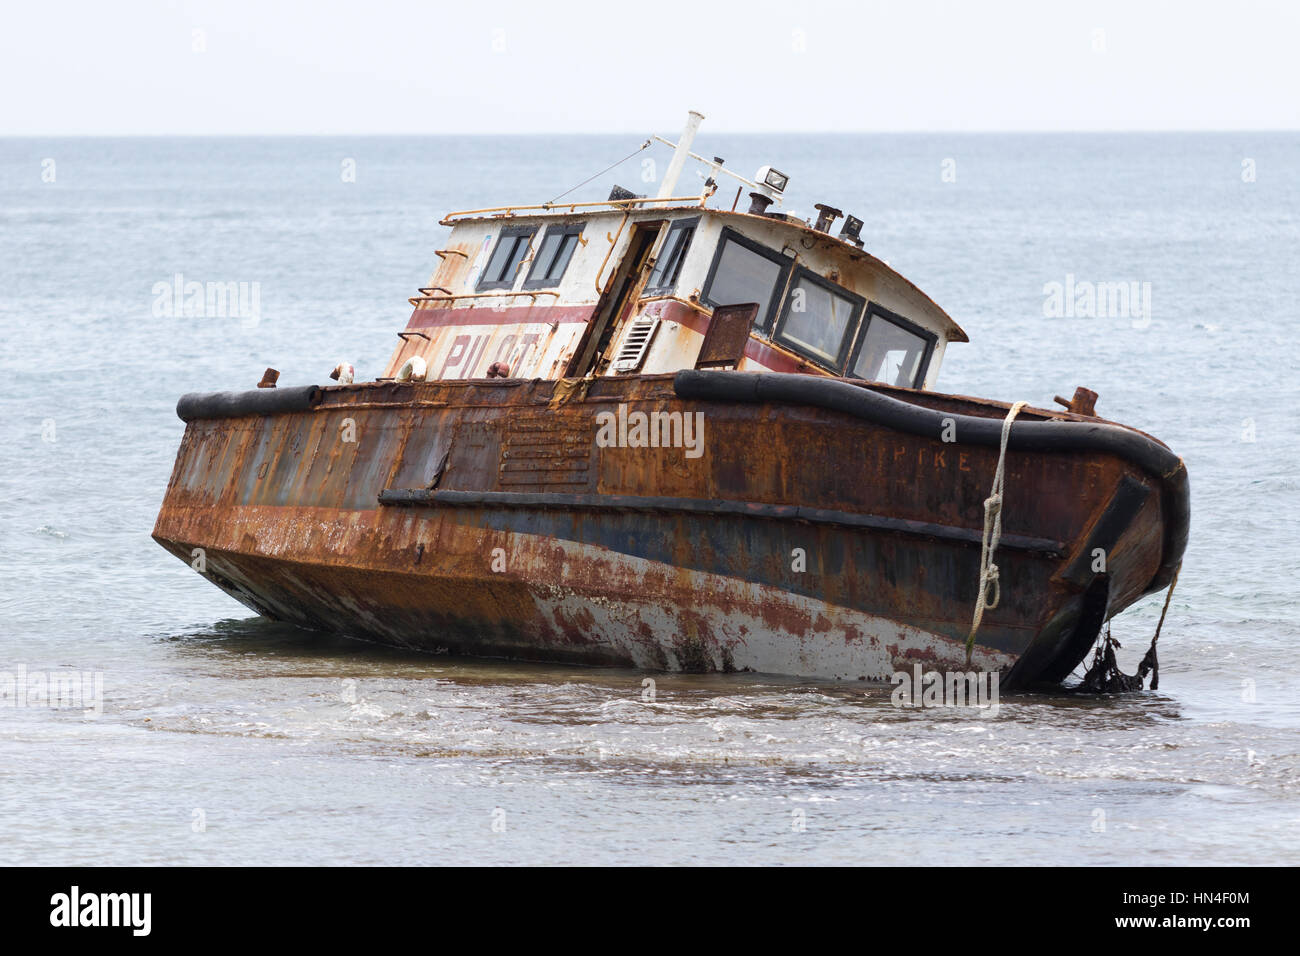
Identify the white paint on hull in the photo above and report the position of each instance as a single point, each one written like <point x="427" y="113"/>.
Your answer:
<point x="593" y="603"/>
<point x="724" y="625"/>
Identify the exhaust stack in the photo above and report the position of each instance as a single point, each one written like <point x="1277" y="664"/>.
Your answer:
<point x="825" y="216"/>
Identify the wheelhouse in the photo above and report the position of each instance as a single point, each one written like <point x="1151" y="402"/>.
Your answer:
<point x="640" y="285"/>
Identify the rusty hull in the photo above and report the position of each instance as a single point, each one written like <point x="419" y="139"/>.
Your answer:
<point x="508" y="531"/>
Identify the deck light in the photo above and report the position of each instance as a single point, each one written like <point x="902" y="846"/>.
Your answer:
<point x="774" y="179"/>
<point x="850" y="230"/>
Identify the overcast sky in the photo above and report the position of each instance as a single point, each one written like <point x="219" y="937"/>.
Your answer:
<point x="400" y="66"/>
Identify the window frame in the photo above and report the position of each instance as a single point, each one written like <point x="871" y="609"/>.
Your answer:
<point x="850" y="331"/>
<point x="507" y="232"/>
<point x="562" y="230"/>
<point x="875" y="309"/>
<point x="762" y="323"/>
<point x="673" y="226"/>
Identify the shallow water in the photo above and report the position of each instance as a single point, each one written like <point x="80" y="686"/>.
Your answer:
<point x="227" y="739"/>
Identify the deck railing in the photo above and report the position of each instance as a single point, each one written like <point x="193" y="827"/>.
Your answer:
<point x="617" y="204"/>
<point x="427" y="296"/>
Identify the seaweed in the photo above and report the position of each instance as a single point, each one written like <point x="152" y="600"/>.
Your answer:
<point x="1105" y="676"/>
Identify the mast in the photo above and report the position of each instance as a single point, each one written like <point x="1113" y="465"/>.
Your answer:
<point x="680" y="153"/>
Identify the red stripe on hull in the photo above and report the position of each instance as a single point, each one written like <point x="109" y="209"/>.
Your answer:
<point x="766" y="356"/>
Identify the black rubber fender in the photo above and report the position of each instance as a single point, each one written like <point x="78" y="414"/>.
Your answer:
<point x="1049" y="436"/>
<point x="258" y="401"/>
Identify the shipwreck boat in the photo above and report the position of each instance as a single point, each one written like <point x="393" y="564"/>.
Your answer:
<point x="682" y="432"/>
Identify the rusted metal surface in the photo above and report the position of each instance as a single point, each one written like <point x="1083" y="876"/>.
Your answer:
<point x="497" y="507"/>
<point x="287" y="511"/>
<point x="687" y="325"/>
<point x="428" y="294"/>
<point x="726" y="336"/>
<point x="510" y="212"/>
<point x="1083" y="403"/>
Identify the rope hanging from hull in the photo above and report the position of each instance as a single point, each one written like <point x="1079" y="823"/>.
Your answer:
<point x="990" y="588"/>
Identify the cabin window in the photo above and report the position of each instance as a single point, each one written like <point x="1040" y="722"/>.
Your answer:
<point x="746" y="271"/>
<point x="553" y="255"/>
<point x="669" y="266"/>
<point x="502" y="267"/>
<point x="892" y="350"/>
<point x="819" y="318"/>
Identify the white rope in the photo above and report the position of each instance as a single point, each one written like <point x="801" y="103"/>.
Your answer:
<point x="990" y="588"/>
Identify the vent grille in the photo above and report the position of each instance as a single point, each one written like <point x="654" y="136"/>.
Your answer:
<point x="635" y="345"/>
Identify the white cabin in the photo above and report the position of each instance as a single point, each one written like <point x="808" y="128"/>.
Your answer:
<point x="631" y="285"/>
